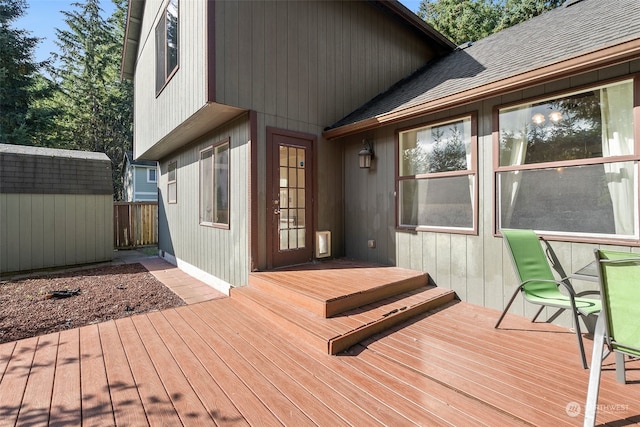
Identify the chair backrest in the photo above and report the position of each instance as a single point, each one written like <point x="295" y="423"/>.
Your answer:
<point x="620" y="293"/>
<point x="529" y="260"/>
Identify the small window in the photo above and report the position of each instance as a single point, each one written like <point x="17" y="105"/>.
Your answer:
<point x="214" y="185"/>
<point x="568" y="165"/>
<point x="437" y="177"/>
<point x="151" y="175"/>
<point x="172" y="185"/>
<point x="167" y="45"/>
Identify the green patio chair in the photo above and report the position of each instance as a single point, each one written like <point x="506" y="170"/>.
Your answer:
<point x="539" y="286"/>
<point x="617" y="326"/>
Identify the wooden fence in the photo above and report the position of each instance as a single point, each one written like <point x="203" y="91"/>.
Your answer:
<point x="135" y="224"/>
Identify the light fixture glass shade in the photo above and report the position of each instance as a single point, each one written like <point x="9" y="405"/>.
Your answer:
<point x="364" y="157"/>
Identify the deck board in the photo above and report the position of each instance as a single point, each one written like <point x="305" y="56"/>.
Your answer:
<point x="66" y="385"/>
<point x="96" y="405"/>
<point x="220" y="363"/>
<point x="155" y="400"/>
<point x="127" y="405"/>
<point x="37" y="394"/>
<point x="15" y="379"/>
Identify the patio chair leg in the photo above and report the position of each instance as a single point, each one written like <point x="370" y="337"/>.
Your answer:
<point x="620" y="375"/>
<point x="580" y="343"/>
<point x="504" y="312"/>
<point x="593" y="389"/>
<point x="537" y="314"/>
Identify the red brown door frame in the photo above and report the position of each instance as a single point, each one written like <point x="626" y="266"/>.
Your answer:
<point x="290" y="206"/>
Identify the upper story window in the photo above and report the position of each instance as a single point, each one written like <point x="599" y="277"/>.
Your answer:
<point x="437" y="188"/>
<point x="214" y="185"/>
<point x="167" y="45"/>
<point x="172" y="183"/>
<point x="152" y="175"/>
<point x="568" y="165"/>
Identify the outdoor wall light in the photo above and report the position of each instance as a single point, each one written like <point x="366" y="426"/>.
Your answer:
<point x="365" y="155"/>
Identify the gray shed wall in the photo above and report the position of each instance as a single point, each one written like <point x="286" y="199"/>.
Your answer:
<point x="56" y="208"/>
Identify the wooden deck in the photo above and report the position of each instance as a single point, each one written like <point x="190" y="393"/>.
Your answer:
<point x="335" y="304"/>
<point x="220" y="363"/>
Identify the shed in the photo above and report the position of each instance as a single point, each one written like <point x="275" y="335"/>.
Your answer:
<point x="56" y="208"/>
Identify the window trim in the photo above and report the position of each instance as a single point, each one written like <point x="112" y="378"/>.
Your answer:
<point x="213" y="147"/>
<point x="472" y="171"/>
<point x="173" y="182"/>
<point x="496" y="168"/>
<point x="149" y="180"/>
<point x="162" y="24"/>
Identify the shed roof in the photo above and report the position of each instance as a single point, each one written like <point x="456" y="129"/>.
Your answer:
<point x="38" y="170"/>
<point x="577" y="37"/>
<point x="52" y="152"/>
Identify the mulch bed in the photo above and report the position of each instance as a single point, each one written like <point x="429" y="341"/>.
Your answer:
<point x="41" y="305"/>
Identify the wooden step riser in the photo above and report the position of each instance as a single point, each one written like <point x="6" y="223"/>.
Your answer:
<point x="299" y="300"/>
<point x="340" y="305"/>
<point x="285" y="324"/>
<point x="350" y="302"/>
<point x="345" y="341"/>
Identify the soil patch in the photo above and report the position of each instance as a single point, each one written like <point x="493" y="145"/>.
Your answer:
<point x="41" y="305"/>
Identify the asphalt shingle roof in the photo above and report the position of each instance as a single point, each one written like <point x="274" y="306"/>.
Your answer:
<point x="569" y="31"/>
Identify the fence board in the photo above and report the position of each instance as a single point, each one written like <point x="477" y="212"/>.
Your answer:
<point x="135" y="224"/>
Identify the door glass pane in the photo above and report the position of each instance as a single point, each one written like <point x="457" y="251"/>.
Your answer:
<point x="292" y="203"/>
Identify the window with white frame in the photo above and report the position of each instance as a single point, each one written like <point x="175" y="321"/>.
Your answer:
<point x="214" y="185"/>
<point x="167" y="45"/>
<point x="152" y="175"/>
<point x="172" y="184"/>
<point x="568" y="165"/>
<point x="436" y="181"/>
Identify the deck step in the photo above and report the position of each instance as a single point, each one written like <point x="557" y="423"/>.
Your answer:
<point x="335" y="334"/>
<point x="367" y="286"/>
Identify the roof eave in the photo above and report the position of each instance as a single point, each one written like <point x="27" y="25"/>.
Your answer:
<point x="131" y="38"/>
<point x="601" y="58"/>
<point x="444" y="45"/>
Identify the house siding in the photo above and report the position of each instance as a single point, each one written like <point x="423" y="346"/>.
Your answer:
<point x="476" y="267"/>
<point x="185" y="94"/>
<point x="220" y="255"/>
<point x="301" y="66"/>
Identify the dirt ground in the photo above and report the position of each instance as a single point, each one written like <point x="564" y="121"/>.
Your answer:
<point x="40" y="305"/>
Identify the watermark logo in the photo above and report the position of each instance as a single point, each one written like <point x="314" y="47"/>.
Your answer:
<point x="573" y="409"/>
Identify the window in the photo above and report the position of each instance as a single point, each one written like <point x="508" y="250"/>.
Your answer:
<point x="167" y="45"/>
<point x="569" y="165"/>
<point x="437" y="177"/>
<point x="214" y="185"/>
<point x="151" y="175"/>
<point x="172" y="186"/>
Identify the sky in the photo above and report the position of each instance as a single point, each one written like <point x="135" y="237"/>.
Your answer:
<point x="43" y="17"/>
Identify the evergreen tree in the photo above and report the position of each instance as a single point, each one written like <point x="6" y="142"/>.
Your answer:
<point x="17" y="75"/>
<point x="465" y="21"/>
<point x="97" y="106"/>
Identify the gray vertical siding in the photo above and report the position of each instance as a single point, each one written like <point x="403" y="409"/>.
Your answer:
<point x="478" y="267"/>
<point x="223" y="253"/>
<point x="156" y="116"/>
<point x="302" y="66"/>
<point x="53" y="230"/>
